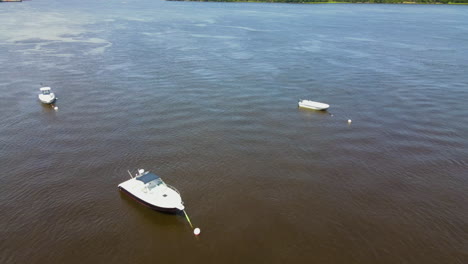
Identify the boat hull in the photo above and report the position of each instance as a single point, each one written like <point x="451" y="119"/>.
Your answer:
<point x="48" y="102"/>
<point x="149" y="205"/>
<point x="314" y="106"/>
<point x="47" y="99"/>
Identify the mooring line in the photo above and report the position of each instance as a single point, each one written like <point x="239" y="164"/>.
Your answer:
<point x="188" y="219"/>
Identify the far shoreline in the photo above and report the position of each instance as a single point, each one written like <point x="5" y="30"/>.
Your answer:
<point x="318" y="3"/>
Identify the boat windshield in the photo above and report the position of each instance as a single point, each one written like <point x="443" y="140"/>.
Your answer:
<point x="155" y="183"/>
<point x="152" y="180"/>
<point x="46" y="92"/>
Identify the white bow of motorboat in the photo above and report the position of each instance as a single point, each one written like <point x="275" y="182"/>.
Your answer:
<point x="313" y="105"/>
<point x="46" y="96"/>
<point x="150" y="190"/>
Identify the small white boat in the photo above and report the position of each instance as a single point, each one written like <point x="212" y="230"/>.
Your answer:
<point x="150" y="190"/>
<point x="46" y="96"/>
<point x="313" y="105"/>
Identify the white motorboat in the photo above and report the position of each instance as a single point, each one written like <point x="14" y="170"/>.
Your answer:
<point x="150" y="190"/>
<point x="313" y="105"/>
<point x="46" y="96"/>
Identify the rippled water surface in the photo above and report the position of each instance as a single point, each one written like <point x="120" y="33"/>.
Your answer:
<point x="205" y="95"/>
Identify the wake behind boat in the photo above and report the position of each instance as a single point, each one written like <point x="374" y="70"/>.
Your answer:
<point x="313" y="105"/>
<point x="150" y="190"/>
<point x="46" y="96"/>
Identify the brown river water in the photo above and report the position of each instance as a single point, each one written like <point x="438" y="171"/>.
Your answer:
<point x="205" y="95"/>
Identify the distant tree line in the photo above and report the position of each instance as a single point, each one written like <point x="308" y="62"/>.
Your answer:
<point x="344" y="1"/>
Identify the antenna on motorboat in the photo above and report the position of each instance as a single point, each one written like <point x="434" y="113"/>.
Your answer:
<point x="130" y="174"/>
